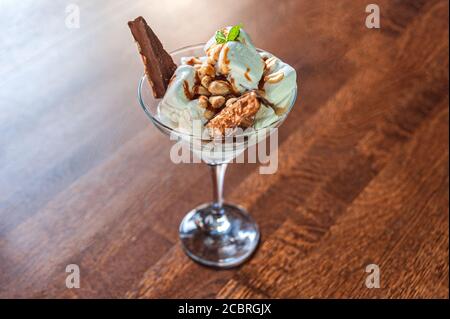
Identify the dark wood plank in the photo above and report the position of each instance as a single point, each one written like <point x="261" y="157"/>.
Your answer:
<point x="304" y="261"/>
<point x="363" y="157"/>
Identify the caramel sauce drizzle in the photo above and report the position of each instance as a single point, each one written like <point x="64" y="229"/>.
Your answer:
<point x="172" y="79"/>
<point x="247" y="75"/>
<point x="186" y="90"/>
<point x="226" y="61"/>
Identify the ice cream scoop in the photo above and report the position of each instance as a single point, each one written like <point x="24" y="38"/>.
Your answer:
<point x="238" y="61"/>
<point x="189" y="115"/>
<point x="279" y="82"/>
<point x="264" y="117"/>
<point x="178" y="108"/>
<point x="242" y="65"/>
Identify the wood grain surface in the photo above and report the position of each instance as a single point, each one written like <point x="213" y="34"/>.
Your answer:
<point x="363" y="157"/>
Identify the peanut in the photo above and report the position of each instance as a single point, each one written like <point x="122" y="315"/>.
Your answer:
<point x="206" y="81"/>
<point x="219" y="88"/>
<point x="217" y="101"/>
<point x="203" y="102"/>
<point x="201" y="90"/>
<point x="206" y="69"/>
<point x="274" y="77"/>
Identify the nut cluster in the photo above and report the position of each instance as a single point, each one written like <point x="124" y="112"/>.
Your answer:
<point x="213" y="91"/>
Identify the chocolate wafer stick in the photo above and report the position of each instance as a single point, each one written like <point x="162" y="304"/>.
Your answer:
<point x="159" y="65"/>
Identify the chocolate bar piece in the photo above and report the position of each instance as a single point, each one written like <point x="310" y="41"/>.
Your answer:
<point x="239" y="113"/>
<point x="159" y="65"/>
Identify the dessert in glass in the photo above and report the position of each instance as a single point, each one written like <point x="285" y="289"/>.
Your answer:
<point x="217" y="99"/>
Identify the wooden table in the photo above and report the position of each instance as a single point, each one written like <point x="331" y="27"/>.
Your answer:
<point x="363" y="158"/>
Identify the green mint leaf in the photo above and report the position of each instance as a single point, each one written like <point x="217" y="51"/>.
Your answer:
<point x="220" y="37"/>
<point x="233" y="34"/>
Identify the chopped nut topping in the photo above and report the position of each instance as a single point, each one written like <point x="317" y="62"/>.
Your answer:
<point x="206" y="69"/>
<point x="203" y="102"/>
<point x="217" y="101"/>
<point x="219" y="88"/>
<point x="274" y="77"/>
<point x="206" y="81"/>
<point x="200" y="90"/>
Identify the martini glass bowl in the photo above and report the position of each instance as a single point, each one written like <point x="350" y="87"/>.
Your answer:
<point x="217" y="233"/>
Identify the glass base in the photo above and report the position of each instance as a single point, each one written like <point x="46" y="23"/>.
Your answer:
<point x="220" y="238"/>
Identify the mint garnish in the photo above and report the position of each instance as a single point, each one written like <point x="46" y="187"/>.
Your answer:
<point x="220" y="37"/>
<point x="232" y="35"/>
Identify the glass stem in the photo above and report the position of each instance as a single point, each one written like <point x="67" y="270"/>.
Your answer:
<point x="218" y="175"/>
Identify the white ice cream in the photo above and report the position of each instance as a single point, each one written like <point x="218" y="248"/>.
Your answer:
<point x="177" y="110"/>
<point x="279" y="88"/>
<point x="264" y="117"/>
<point x="281" y="92"/>
<point x="239" y="61"/>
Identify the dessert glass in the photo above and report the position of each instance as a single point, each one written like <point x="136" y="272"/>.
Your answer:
<point x="217" y="234"/>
